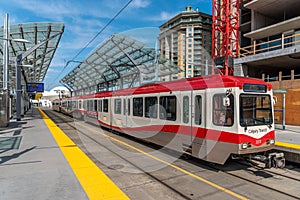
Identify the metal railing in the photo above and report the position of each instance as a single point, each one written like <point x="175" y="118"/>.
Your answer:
<point x="280" y="43"/>
<point x="281" y="77"/>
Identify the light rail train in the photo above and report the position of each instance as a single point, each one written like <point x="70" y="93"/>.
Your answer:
<point x="210" y="117"/>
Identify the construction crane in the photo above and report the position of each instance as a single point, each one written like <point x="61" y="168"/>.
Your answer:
<point x="225" y="34"/>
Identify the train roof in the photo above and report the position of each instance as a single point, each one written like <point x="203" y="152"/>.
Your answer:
<point x="195" y="83"/>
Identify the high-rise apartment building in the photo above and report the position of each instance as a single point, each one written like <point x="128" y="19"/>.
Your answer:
<point x="185" y="40"/>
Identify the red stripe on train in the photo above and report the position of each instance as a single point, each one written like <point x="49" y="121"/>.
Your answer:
<point x="208" y="134"/>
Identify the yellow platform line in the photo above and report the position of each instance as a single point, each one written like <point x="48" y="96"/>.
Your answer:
<point x="94" y="182"/>
<point x="288" y="145"/>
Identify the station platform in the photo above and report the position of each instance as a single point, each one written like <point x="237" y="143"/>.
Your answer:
<point x="37" y="164"/>
<point x="288" y="141"/>
<point x="38" y="161"/>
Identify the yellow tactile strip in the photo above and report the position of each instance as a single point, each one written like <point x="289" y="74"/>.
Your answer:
<point x="94" y="182"/>
<point x="288" y="145"/>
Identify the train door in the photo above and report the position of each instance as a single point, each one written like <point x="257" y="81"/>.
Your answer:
<point x="198" y="123"/>
<point x="186" y="120"/>
<point x="118" y="114"/>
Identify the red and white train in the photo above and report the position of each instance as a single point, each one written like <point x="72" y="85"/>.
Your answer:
<point x="211" y="117"/>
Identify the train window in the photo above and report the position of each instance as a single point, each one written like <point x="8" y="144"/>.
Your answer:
<point x="80" y="104"/>
<point x="64" y="104"/>
<point x="90" y="105"/>
<point x="167" y="108"/>
<point x="223" y="115"/>
<point x="255" y="110"/>
<point x="198" y="109"/>
<point x="95" y="105"/>
<point x="151" y="107"/>
<point x="105" y="105"/>
<point x="85" y="105"/>
<point x="118" y="105"/>
<point x="185" y="109"/>
<point x="138" y="107"/>
<point x="124" y="106"/>
<point x="99" y="102"/>
<point x="128" y="107"/>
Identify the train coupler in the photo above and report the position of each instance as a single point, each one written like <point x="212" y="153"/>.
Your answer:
<point x="276" y="160"/>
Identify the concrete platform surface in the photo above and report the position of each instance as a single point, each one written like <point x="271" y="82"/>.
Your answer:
<point x="32" y="165"/>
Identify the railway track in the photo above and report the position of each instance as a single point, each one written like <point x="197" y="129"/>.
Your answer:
<point x="248" y="181"/>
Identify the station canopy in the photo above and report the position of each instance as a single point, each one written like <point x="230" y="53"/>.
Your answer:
<point x="119" y="62"/>
<point x="43" y="39"/>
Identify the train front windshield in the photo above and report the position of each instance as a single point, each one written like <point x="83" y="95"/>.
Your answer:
<point x="255" y="110"/>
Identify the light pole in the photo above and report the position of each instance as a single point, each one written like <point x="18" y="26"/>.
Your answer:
<point x="4" y="114"/>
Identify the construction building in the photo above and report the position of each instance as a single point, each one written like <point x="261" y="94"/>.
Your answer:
<point x="185" y="40"/>
<point x="270" y="47"/>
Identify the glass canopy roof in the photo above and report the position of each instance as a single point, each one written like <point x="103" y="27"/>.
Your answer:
<point x="119" y="62"/>
<point x="35" y="65"/>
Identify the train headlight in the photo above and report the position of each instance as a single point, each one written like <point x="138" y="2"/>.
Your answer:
<point x="272" y="141"/>
<point x="244" y="145"/>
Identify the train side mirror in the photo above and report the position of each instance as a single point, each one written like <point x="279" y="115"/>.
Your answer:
<point x="226" y="101"/>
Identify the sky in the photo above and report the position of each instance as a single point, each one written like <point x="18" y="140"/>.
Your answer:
<point x="83" y="20"/>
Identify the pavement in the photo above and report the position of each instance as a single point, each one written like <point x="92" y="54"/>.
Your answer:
<point x="291" y="134"/>
<point x="34" y="164"/>
<point x="38" y="161"/>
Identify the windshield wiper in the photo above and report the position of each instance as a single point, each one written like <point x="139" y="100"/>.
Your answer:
<point x="263" y="121"/>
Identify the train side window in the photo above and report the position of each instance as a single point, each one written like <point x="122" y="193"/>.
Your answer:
<point x="85" y="104"/>
<point x="198" y="109"/>
<point x="151" y="107"/>
<point x="137" y="107"/>
<point x="186" y="110"/>
<point x="124" y="106"/>
<point x="95" y="105"/>
<point x="223" y="115"/>
<point x="80" y="104"/>
<point x="88" y="105"/>
<point x="128" y="108"/>
<point x="167" y="108"/>
<point x="99" y="106"/>
<point x="91" y="105"/>
<point x="105" y="105"/>
<point x="118" y="106"/>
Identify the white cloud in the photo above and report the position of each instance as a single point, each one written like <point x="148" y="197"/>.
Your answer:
<point x="164" y="16"/>
<point x="140" y="3"/>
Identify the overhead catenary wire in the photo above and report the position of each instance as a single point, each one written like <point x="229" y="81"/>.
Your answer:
<point x="94" y="38"/>
<point x="108" y="23"/>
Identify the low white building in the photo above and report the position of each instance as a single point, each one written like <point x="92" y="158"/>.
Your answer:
<point x="49" y="96"/>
